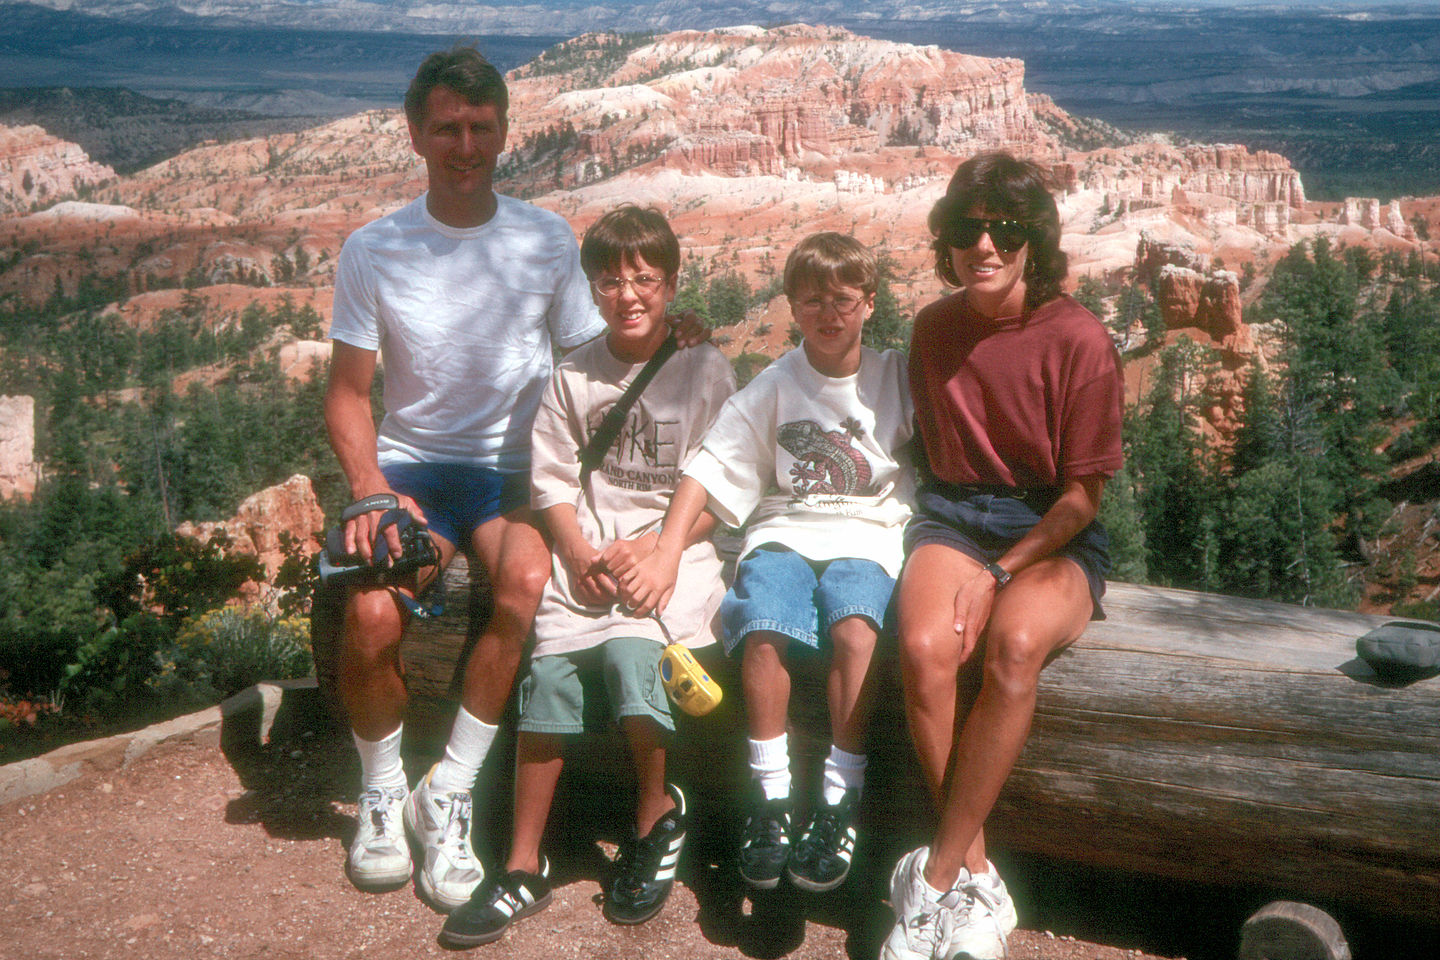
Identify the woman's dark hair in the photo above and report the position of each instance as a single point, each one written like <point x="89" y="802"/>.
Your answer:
<point x="462" y="69"/>
<point x="1002" y="186"/>
<point x="625" y="232"/>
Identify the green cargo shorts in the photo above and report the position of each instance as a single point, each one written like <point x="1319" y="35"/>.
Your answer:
<point x="562" y="693"/>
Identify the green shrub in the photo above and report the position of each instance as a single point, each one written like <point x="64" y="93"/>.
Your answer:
<point x="226" y="650"/>
<point x="112" y="666"/>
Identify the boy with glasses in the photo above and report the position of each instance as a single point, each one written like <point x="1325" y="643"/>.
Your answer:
<point x="812" y="457"/>
<point x="591" y="653"/>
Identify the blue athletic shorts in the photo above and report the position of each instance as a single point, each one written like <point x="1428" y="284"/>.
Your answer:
<point x="983" y="526"/>
<point x="458" y="497"/>
<point x="779" y="590"/>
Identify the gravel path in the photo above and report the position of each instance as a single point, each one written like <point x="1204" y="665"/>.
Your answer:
<point x="188" y="853"/>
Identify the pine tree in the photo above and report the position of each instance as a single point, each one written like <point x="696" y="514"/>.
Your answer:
<point x="886" y="329"/>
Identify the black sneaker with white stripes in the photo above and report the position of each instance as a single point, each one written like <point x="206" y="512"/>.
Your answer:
<point x="645" y="869"/>
<point x="495" y="904"/>
<point x="765" y="840"/>
<point x="821" y="858"/>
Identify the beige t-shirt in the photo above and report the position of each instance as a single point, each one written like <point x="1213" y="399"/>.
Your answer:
<point x="630" y="489"/>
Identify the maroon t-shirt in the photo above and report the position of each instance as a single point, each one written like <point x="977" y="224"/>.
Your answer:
<point x="1018" y="401"/>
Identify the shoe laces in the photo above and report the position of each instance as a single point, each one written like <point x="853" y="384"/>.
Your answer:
<point x="457" y="823"/>
<point x="824" y="825"/>
<point x="635" y="865"/>
<point x="377" y="803"/>
<point x="930" y="929"/>
<point x="978" y="900"/>
<point x="765" y="828"/>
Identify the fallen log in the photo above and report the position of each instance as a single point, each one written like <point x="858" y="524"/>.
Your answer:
<point x="1191" y="736"/>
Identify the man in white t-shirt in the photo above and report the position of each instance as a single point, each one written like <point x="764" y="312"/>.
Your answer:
<point x="465" y="294"/>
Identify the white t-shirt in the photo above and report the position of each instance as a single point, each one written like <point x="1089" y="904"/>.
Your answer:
<point x="629" y="490"/>
<point x="817" y="464"/>
<point x="465" y="321"/>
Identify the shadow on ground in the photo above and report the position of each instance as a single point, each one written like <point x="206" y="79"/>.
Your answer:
<point x="295" y="782"/>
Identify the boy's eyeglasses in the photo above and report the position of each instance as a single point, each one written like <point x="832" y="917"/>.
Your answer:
<point x="843" y="305"/>
<point x="962" y="233"/>
<point x="644" y="285"/>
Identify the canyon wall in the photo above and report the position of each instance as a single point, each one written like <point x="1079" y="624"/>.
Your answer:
<point x="35" y="166"/>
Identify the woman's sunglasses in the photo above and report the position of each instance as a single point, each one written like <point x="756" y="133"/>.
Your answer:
<point x="962" y="233"/>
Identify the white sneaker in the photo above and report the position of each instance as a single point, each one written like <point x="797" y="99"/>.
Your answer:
<point x="985" y="918"/>
<point x="924" y="923"/>
<point x="971" y="920"/>
<point x="379" y="857"/>
<point x="439" y="823"/>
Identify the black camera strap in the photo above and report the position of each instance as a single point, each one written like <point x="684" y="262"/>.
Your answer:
<point x="429" y="603"/>
<point x="614" y="419"/>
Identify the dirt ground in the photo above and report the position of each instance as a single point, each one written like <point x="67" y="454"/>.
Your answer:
<point x="197" y="851"/>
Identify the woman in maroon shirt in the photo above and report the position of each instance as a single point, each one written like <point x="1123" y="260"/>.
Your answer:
<point x="1018" y="393"/>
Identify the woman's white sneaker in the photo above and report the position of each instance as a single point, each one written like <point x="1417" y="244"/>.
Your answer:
<point x="985" y="918"/>
<point x="924" y="921"/>
<point x="971" y="920"/>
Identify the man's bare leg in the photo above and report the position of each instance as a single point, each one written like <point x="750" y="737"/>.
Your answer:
<point x="372" y="688"/>
<point x="440" y="812"/>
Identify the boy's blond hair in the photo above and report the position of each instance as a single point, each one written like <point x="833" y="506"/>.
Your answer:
<point x="830" y="259"/>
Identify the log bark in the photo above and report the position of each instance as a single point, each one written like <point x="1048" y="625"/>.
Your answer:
<point x="1192" y="736"/>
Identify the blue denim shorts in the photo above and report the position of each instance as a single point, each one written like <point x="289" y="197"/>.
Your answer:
<point x="458" y="497"/>
<point x="779" y="590"/>
<point x="567" y="693"/>
<point x="983" y="526"/>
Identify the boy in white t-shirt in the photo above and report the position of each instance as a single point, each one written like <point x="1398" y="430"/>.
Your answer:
<point x="813" y="457"/>
<point x="588" y="646"/>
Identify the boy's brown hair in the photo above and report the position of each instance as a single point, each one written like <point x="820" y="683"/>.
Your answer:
<point x="626" y="232"/>
<point x="830" y="259"/>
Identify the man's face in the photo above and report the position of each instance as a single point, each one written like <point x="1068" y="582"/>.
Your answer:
<point x="460" y="143"/>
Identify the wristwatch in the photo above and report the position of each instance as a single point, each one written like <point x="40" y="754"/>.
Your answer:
<point x="999" y="573"/>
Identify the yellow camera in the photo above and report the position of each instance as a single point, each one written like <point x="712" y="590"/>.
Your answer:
<point x="687" y="683"/>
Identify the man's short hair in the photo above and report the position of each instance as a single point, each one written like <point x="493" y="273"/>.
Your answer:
<point x="625" y="233"/>
<point x="462" y="69"/>
<point x="830" y="259"/>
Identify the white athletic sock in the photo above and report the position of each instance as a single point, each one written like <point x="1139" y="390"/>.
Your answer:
<point x="770" y="764"/>
<point x="842" y="772"/>
<point x="470" y="741"/>
<point x="380" y="765"/>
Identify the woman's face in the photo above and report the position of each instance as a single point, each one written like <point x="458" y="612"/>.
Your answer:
<point x="993" y="277"/>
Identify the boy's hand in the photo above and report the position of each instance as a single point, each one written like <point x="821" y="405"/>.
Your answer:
<point x="621" y="556"/>
<point x="647" y="587"/>
<point x="592" y="585"/>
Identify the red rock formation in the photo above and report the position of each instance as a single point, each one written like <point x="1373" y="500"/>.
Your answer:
<point x="1152" y="255"/>
<point x="1210" y="306"/>
<point x="18" y="469"/>
<point x="255" y="528"/>
<point x="817" y="94"/>
<point x="36" y="166"/>
<point x="732" y="154"/>
<point x="1361" y="211"/>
